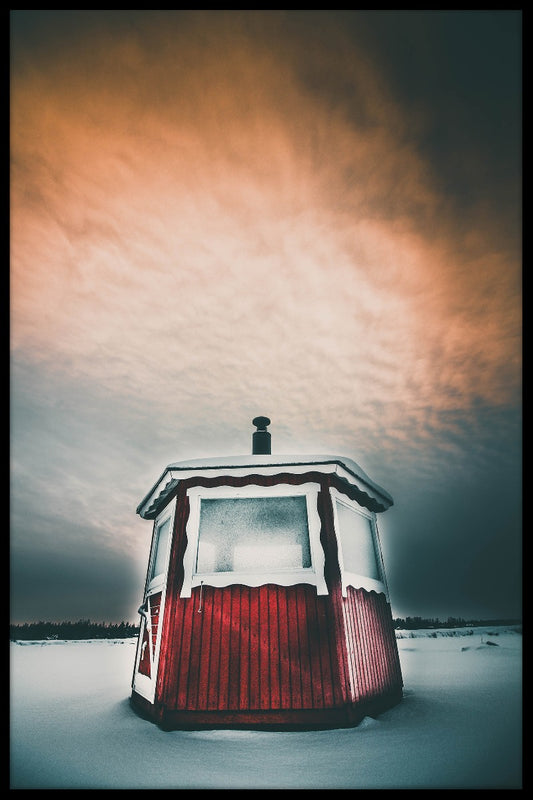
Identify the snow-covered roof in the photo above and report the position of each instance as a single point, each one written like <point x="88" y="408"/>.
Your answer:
<point x="254" y="460"/>
<point x="259" y="465"/>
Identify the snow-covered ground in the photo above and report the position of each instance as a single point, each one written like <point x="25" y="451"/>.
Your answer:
<point x="458" y="726"/>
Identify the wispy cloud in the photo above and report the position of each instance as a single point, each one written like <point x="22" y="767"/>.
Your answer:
<point x="221" y="214"/>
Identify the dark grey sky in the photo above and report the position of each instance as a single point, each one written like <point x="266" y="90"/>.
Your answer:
<point x="310" y="215"/>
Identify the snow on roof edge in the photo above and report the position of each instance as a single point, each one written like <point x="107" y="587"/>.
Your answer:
<point x="252" y="460"/>
<point x="275" y="460"/>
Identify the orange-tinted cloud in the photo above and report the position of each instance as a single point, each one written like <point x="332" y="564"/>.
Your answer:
<point x="201" y="216"/>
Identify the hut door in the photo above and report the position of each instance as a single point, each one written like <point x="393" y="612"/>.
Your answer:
<point x="151" y="612"/>
<point x="152" y="608"/>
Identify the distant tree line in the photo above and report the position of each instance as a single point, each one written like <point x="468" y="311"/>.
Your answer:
<point x="415" y="623"/>
<point x="82" y="629"/>
<point x="85" y="629"/>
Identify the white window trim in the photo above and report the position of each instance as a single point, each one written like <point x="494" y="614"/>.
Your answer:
<point x="287" y="577"/>
<point x="158" y="582"/>
<point x="349" y="578"/>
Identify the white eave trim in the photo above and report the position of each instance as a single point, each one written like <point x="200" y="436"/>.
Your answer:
<point x="173" y="475"/>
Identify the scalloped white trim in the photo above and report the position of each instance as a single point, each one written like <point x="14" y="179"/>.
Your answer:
<point x="361" y="582"/>
<point x="289" y="578"/>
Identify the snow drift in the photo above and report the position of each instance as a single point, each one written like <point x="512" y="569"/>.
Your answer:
<point x="458" y="726"/>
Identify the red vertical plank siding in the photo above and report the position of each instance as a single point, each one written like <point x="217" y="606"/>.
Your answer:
<point x="244" y="696"/>
<point x="361" y="647"/>
<point x="313" y="635"/>
<point x="360" y="668"/>
<point x="224" y="606"/>
<point x="234" y="649"/>
<point x="253" y="687"/>
<point x="376" y="654"/>
<point x="264" y="647"/>
<point x="306" y="664"/>
<point x="195" y="652"/>
<point x="206" y="612"/>
<point x="368" y="644"/>
<point x="274" y="648"/>
<point x="284" y="661"/>
<point x="326" y="671"/>
<point x="216" y="645"/>
<point x="294" y="649"/>
<point x="252" y="648"/>
<point x="181" y="675"/>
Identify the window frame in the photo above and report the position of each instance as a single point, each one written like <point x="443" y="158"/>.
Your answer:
<point x="349" y="577"/>
<point x="313" y="575"/>
<point x="156" y="583"/>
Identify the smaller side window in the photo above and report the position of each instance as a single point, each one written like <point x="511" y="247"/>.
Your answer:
<point x="358" y="545"/>
<point x="160" y="550"/>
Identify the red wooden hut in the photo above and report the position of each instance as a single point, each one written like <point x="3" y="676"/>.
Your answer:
<point x="266" y="603"/>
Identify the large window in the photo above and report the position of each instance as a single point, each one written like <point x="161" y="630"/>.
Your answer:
<point x="253" y="535"/>
<point x="359" y="554"/>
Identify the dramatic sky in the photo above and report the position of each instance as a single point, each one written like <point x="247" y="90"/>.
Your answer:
<point x="315" y="216"/>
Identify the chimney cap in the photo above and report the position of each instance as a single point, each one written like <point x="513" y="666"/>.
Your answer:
<point x="261" y="423"/>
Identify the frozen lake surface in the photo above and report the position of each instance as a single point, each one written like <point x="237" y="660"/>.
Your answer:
<point x="458" y="726"/>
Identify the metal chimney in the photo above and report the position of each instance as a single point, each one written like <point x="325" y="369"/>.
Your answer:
<point x="261" y="437"/>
